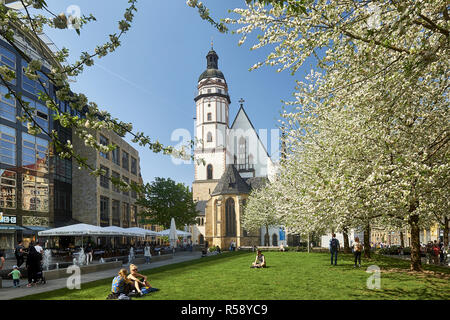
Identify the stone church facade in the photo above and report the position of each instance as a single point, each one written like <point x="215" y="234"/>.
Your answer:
<point x="231" y="162"/>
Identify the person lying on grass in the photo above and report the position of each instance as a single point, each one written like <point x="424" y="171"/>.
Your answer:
<point x="140" y="281"/>
<point x="260" y="261"/>
<point x="121" y="285"/>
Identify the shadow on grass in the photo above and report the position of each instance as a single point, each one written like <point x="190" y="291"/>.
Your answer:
<point x="193" y="264"/>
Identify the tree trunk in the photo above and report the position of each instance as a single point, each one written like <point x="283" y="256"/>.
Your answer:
<point x="308" y="243"/>
<point x="402" y="240"/>
<point x="346" y="242"/>
<point x="446" y="231"/>
<point x="416" y="262"/>
<point x="367" y="241"/>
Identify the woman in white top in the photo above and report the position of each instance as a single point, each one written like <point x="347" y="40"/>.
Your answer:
<point x="147" y="253"/>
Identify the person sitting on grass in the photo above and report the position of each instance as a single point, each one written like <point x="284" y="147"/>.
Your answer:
<point x="140" y="281"/>
<point x="121" y="285"/>
<point x="260" y="261"/>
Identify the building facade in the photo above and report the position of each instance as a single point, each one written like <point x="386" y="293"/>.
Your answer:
<point x="232" y="161"/>
<point x="96" y="200"/>
<point x="38" y="189"/>
<point x="28" y="169"/>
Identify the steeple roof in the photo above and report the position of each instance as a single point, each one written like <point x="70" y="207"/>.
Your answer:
<point x="212" y="67"/>
<point x="231" y="182"/>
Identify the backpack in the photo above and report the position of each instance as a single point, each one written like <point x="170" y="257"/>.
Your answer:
<point x="334" y="244"/>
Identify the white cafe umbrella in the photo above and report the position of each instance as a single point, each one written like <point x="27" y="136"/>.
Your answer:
<point x="143" y="232"/>
<point x="173" y="237"/>
<point x="118" y="231"/>
<point x="80" y="229"/>
<point x="179" y="233"/>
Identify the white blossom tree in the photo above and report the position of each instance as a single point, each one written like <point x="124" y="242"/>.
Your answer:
<point x="368" y="133"/>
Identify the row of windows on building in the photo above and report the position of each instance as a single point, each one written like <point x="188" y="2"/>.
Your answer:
<point x="9" y="59"/>
<point x="35" y="191"/>
<point x="35" y="150"/>
<point x="121" y="214"/>
<point x="8" y="109"/>
<point x="215" y="90"/>
<point x="105" y="182"/>
<point x="123" y="161"/>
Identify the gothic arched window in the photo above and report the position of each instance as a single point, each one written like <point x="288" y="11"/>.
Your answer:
<point x="230" y="218"/>
<point x="242" y="153"/>
<point x="209" y="172"/>
<point x="274" y="240"/>
<point x="209" y="137"/>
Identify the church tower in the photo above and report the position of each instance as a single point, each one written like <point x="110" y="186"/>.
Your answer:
<point x="211" y="126"/>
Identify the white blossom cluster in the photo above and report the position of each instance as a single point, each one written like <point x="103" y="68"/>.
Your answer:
<point x="94" y="119"/>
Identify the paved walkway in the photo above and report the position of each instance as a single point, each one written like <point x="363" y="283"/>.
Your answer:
<point x="8" y="291"/>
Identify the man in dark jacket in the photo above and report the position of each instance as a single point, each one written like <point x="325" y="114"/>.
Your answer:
<point x="19" y="252"/>
<point x="33" y="265"/>
<point x="334" y="249"/>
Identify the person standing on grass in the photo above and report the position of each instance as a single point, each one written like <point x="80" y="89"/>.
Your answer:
<point x="357" y="250"/>
<point x="334" y="248"/>
<point x="436" y="252"/>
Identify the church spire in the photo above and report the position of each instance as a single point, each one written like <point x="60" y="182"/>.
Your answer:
<point x="212" y="59"/>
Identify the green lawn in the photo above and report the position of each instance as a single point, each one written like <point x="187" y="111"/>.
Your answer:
<point x="289" y="276"/>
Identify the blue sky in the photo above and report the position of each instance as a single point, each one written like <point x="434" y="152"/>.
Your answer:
<point x="151" y="79"/>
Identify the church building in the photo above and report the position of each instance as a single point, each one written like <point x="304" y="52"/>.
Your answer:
<point x="232" y="162"/>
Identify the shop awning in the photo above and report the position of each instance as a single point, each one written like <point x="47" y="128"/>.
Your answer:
<point x="11" y="228"/>
<point x="36" y="228"/>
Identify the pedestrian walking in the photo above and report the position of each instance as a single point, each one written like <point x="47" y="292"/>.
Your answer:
<point x="15" y="273"/>
<point x="357" y="250"/>
<point x="436" y="253"/>
<point x="147" y="253"/>
<point x="429" y="252"/>
<point x="442" y="253"/>
<point x="33" y="264"/>
<point x="89" y="253"/>
<point x="39" y="248"/>
<point x="2" y="259"/>
<point x="19" y="252"/>
<point x="334" y="248"/>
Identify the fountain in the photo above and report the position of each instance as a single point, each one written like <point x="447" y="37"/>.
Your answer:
<point x="131" y="256"/>
<point x="47" y="259"/>
<point x="81" y="257"/>
<point x="102" y="260"/>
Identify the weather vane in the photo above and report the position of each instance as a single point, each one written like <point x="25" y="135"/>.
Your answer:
<point x="242" y="102"/>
